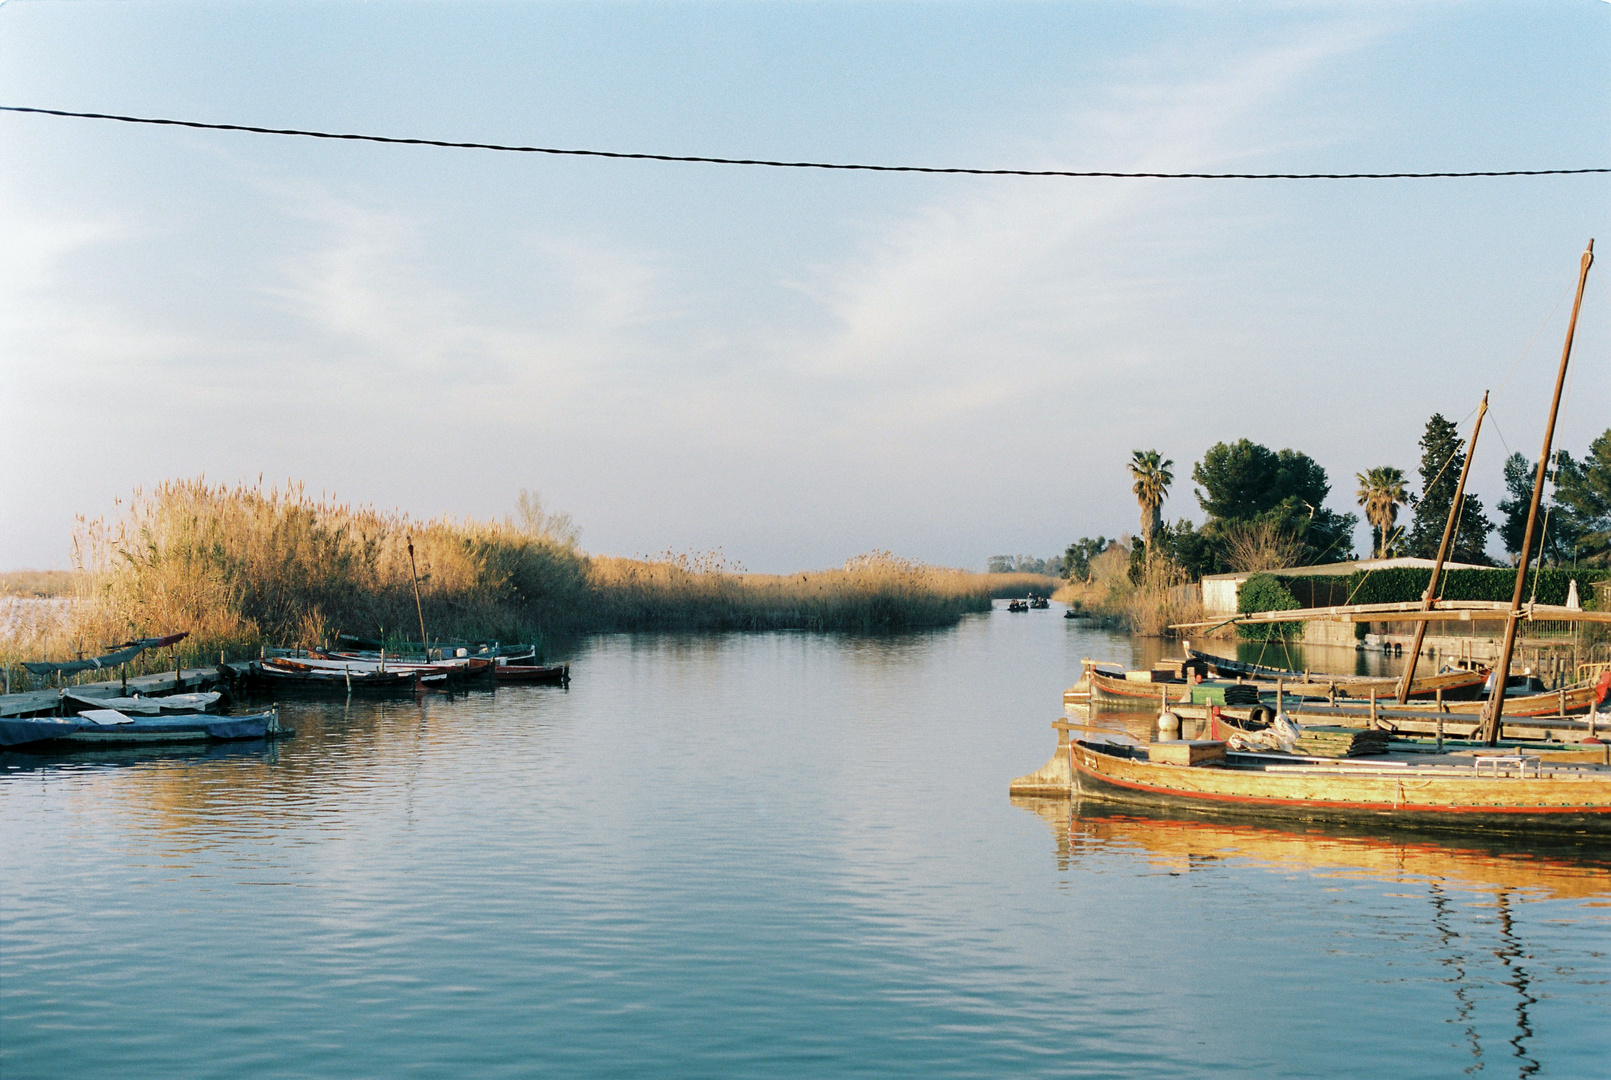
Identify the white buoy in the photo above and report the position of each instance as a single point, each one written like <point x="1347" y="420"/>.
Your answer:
<point x="1169" y="722"/>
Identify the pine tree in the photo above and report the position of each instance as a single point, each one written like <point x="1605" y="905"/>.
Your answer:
<point x="1442" y="457"/>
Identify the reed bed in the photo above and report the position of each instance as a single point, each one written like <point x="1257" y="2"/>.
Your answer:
<point x="1147" y="607"/>
<point x="242" y="567"/>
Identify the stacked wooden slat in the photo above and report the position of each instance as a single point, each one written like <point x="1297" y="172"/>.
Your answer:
<point x="1340" y="742"/>
<point x="1241" y="694"/>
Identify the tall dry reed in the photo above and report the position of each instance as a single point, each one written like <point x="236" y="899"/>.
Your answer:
<point x="1150" y="606"/>
<point x="244" y="566"/>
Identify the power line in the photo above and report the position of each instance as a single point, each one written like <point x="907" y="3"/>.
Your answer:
<point x="840" y="166"/>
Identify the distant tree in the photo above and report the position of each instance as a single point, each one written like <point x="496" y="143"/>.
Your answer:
<point x="1243" y="483"/>
<point x="1259" y="544"/>
<point x="1193" y="550"/>
<point x="1442" y="458"/>
<point x="1552" y="532"/>
<point x="1583" y="490"/>
<point x="1077" y="559"/>
<point x="1153" y="475"/>
<point x="1024" y="564"/>
<point x="1381" y="493"/>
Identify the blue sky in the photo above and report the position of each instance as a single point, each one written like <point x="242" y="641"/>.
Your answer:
<point x="792" y="366"/>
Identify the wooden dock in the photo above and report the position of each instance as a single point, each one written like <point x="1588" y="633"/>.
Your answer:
<point x="47" y="702"/>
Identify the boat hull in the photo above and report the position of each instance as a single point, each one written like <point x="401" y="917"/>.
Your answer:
<point x="1412" y="799"/>
<point x="1566" y="701"/>
<point x="69" y="732"/>
<point x="552" y="674"/>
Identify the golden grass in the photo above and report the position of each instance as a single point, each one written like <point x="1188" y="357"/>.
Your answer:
<point x="240" y="567"/>
<point x="1147" y="607"/>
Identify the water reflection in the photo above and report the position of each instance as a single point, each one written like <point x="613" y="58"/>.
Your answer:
<point x="1499" y="872"/>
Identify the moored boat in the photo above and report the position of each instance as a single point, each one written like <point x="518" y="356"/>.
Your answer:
<point x="169" y="705"/>
<point x="285" y="673"/>
<point x="1454" y="683"/>
<point x="109" y="727"/>
<point x="1505" y="790"/>
<point x="1132" y="690"/>
<point x="1499" y="792"/>
<point x="553" y="674"/>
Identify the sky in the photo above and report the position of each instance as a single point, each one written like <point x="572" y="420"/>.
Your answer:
<point x="790" y="366"/>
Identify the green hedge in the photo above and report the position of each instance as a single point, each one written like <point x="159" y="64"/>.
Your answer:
<point x="1263" y="592"/>
<point x="1406" y="584"/>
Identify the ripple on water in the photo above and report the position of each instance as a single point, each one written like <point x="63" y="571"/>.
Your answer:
<point x="761" y="855"/>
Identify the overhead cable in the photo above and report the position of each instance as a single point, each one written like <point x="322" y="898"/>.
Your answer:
<point x="840" y="166"/>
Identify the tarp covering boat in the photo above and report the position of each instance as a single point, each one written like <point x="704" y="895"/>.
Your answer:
<point x="146" y="706"/>
<point x="110" y="727"/>
<point x="124" y="653"/>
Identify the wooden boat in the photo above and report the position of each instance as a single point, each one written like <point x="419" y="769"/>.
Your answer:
<point x="1458" y="683"/>
<point x="1491" y="792"/>
<point x="454" y="667"/>
<point x="285" y="673"/>
<point x="1568" y="700"/>
<point x="553" y="674"/>
<point x="108" y="727"/>
<point x="171" y="705"/>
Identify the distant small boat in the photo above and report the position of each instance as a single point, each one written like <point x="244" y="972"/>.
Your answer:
<point x="1017" y="605"/>
<point x="554" y="674"/>
<point x="1040" y="603"/>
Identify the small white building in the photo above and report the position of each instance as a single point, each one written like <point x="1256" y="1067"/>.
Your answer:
<point x="1220" y="591"/>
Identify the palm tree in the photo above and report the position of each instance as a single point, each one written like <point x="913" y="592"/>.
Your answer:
<point x="1381" y="493"/>
<point x="1152" y="475"/>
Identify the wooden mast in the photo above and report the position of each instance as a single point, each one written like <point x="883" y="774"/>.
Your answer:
<point x="1443" y="552"/>
<point x="1493" y="715"/>
<point x="419" y="610"/>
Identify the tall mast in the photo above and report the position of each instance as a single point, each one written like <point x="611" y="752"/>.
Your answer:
<point x="1493" y="715"/>
<point x="1443" y="552"/>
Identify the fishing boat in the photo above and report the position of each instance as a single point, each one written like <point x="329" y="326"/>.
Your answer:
<point x="110" y="727"/>
<point x="552" y="674"/>
<point x="139" y="705"/>
<point x="1499" y="791"/>
<point x="1312" y="774"/>
<point x="285" y="673"/>
<point x="1454" y="682"/>
<point x="1148" y="689"/>
<point x="453" y="667"/>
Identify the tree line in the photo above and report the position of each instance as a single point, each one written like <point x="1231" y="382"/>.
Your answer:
<point x="1265" y="510"/>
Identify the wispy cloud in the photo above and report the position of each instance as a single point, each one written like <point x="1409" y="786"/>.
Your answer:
<point x="997" y="291"/>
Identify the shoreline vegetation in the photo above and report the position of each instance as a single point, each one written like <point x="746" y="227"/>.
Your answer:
<point x="242" y="567"/>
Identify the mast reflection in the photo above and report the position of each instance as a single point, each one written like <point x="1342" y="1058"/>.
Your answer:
<point x="1509" y="870"/>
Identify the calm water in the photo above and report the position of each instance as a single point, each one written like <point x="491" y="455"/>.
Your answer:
<point x="753" y="855"/>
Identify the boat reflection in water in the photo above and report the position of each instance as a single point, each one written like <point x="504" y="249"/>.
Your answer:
<point x="1500" y="872"/>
